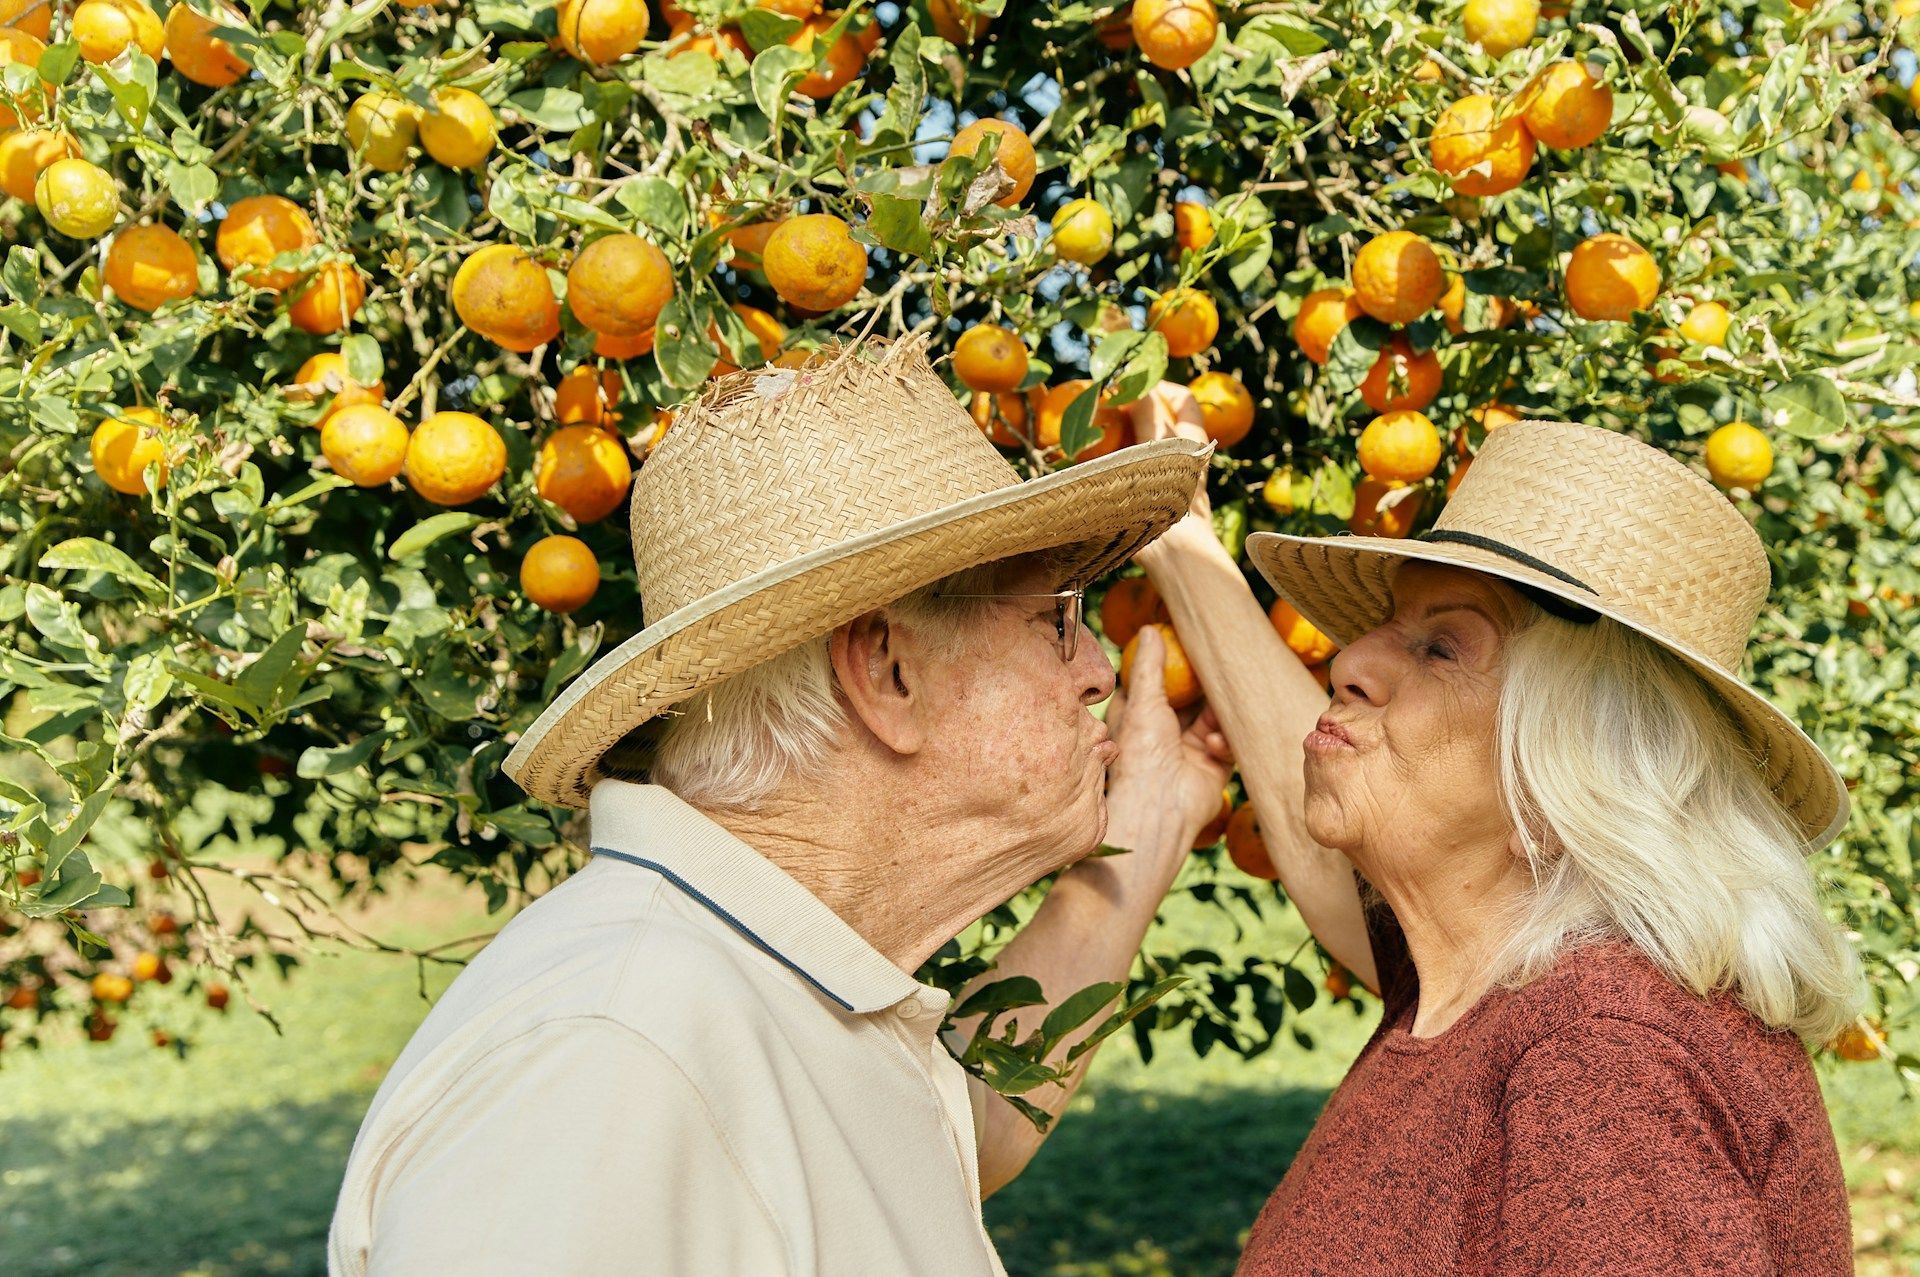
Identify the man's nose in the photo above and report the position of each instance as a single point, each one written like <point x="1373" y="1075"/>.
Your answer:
<point x="1091" y="663"/>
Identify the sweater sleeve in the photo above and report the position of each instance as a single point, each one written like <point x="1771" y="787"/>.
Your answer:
<point x="578" y="1148"/>
<point x="1622" y="1156"/>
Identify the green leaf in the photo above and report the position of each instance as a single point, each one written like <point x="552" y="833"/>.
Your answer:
<point x="1299" y="989"/>
<point x="555" y="110"/>
<point x="1333" y="491"/>
<point x="1810" y="407"/>
<point x="775" y="72"/>
<point x="1077" y="431"/>
<point x="656" y="203"/>
<point x="897" y="224"/>
<point x="21" y="274"/>
<point x="62" y="842"/>
<point x="766" y="29"/>
<point x="268" y="679"/>
<point x="90" y="554"/>
<point x="1002" y="995"/>
<point x="1076" y="1009"/>
<point x="427" y="531"/>
<point x="317" y="761"/>
<point x="193" y="186"/>
<point x="365" y="365"/>
<point x="57" y="619"/>
<point x="681" y="347"/>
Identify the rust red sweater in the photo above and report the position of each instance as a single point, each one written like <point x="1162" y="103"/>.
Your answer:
<point x="1598" y="1120"/>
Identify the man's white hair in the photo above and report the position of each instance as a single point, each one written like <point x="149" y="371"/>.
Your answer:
<point x="729" y="747"/>
<point x="1644" y="815"/>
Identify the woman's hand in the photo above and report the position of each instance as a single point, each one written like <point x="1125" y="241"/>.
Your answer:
<point x="1172" y="764"/>
<point x="1168" y="411"/>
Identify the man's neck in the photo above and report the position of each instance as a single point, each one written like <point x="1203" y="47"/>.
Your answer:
<point x="1454" y="920"/>
<point x="906" y="883"/>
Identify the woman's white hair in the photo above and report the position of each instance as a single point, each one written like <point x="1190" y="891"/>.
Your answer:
<point x="729" y="747"/>
<point x="1644" y="815"/>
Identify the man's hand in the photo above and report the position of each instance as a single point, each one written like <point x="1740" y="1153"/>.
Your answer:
<point x="1171" y="763"/>
<point x="1170" y="411"/>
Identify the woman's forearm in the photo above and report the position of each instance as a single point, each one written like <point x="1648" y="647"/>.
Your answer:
<point x="1268" y="702"/>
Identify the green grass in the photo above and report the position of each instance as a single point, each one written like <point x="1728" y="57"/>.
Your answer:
<point x="121" y="1160"/>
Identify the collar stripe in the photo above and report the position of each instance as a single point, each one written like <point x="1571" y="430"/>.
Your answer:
<point x="727" y="918"/>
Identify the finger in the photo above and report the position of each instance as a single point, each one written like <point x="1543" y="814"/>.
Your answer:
<point x="1116" y="709"/>
<point x="1146" y="681"/>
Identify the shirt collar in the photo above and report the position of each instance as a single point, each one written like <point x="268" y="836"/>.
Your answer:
<point x="653" y="827"/>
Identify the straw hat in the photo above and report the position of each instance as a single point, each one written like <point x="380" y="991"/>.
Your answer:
<point x="1603" y="521"/>
<point x="786" y="502"/>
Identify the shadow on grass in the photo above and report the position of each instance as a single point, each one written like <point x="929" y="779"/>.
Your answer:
<point x="250" y="1193"/>
<point x="1145" y="1185"/>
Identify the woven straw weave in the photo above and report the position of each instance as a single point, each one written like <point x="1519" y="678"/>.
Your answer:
<point x="785" y="502"/>
<point x="1653" y="544"/>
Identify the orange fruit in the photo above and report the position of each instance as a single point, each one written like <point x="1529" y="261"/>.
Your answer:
<point x="1339" y="982"/>
<point x="1051" y="410"/>
<point x="617" y="285"/>
<point x="1459" y="473"/>
<point x="1115" y="31"/>
<point x="1500" y="26"/>
<point x="1246" y="848"/>
<point x="1082" y="231"/>
<point x="1706" y="324"/>
<point x="813" y="263"/>
<point x="1323" y="313"/>
<point x="1565" y="107"/>
<point x="601" y="31"/>
<point x="1428" y="72"/>
<point x="559" y="574"/>
<point x="1174" y="34"/>
<point x="841" y="64"/>
<point x="23" y="999"/>
<point x="454" y="457"/>
<point x="1481" y="150"/>
<point x="1226" y="408"/>
<point x="1277" y="491"/>
<point x="1211" y="832"/>
<point x="586" y="397"/>
<point x="1371" y="519"/>
<point x="109" y="987"/>
<point x="1397" y="278"/>
<point x="217" y="996"/>
<point x="1002" y="417"/>
<point x="749" y="242"/>
<point x="505" y="296"/>
<point x="35" y="17"/>
<point x="325" y="375"/>
<point x="1130" y="603"/>
<point x="623" y="347"/>
<point x="1183" y="689"/>
<point x="1400" y="447"/>
<point x="105" y="28"/>
<point x="791" y="8"/>
<point x="1858" y="1042"/>
<point x="1187" y="318"/>
<point x="990" y="358"/>
<point x="1014" y="155"/>
<point x="77" y="198"/>
<point x="459" y="131"/>
<point x="124" y="444"/>
<point x="365" y="443"/>
<point x="1453" y="305"/>
<point x="258" y="229"/>
<point x="1492" y="416"/>
<point x="712" y="43"/>
<point x="1300" y="634"/>
<point x="767" y="331"/>
<point x="584" y="470"/>
<point x="1192" y="225"/>
<point x="196" y="53"/>
<point x="328" y="299"/>
<point x="148" y="266"/>
<point x="1739" y="456"/>
<point x="953" y="21"/>
<point x="1609" y="277"/>
<point x="17" y="46"/>
<point x="1401" y="379"/>
<point x="25" y="154"/>
<point x="383" y="128"/>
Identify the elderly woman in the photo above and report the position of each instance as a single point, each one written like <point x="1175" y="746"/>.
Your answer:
<point x="1583" y="896"/>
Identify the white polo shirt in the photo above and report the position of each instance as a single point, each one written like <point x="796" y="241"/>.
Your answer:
<point x="678" y="1061"/>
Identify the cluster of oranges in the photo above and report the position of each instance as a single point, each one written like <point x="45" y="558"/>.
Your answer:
<point x="110" y="990"/>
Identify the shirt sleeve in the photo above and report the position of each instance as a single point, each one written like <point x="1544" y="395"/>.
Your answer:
<point x="579" y="1148"/>
<point x="1622" y="1156"/>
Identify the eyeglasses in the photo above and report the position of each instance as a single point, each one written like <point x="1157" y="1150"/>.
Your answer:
<point x="1068" y="605"/>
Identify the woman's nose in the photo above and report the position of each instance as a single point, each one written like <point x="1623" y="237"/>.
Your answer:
<point x="1364" y="669"/>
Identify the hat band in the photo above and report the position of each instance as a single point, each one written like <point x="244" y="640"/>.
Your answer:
<point x="1549" y="602"/>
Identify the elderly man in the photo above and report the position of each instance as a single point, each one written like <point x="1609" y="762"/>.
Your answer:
<point x="856" y="722"/>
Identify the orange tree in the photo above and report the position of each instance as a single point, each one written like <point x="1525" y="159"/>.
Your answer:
<point x="335" y="331"/>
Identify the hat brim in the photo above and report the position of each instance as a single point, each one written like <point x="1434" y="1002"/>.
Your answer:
<point x="1342" y="586"/>
<point x="1111" y="505"/>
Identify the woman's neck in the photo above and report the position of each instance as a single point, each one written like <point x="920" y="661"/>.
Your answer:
<point x="1455" y="917"/>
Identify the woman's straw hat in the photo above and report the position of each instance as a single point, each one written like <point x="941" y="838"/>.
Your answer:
<point x="1606" y="522"/>
<point x="785" y="502"/>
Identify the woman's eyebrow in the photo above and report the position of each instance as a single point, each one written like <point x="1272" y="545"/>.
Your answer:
<point x="1439" y="609"/>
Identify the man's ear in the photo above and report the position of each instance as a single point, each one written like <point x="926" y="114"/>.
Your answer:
<point x="879" y="681"/>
